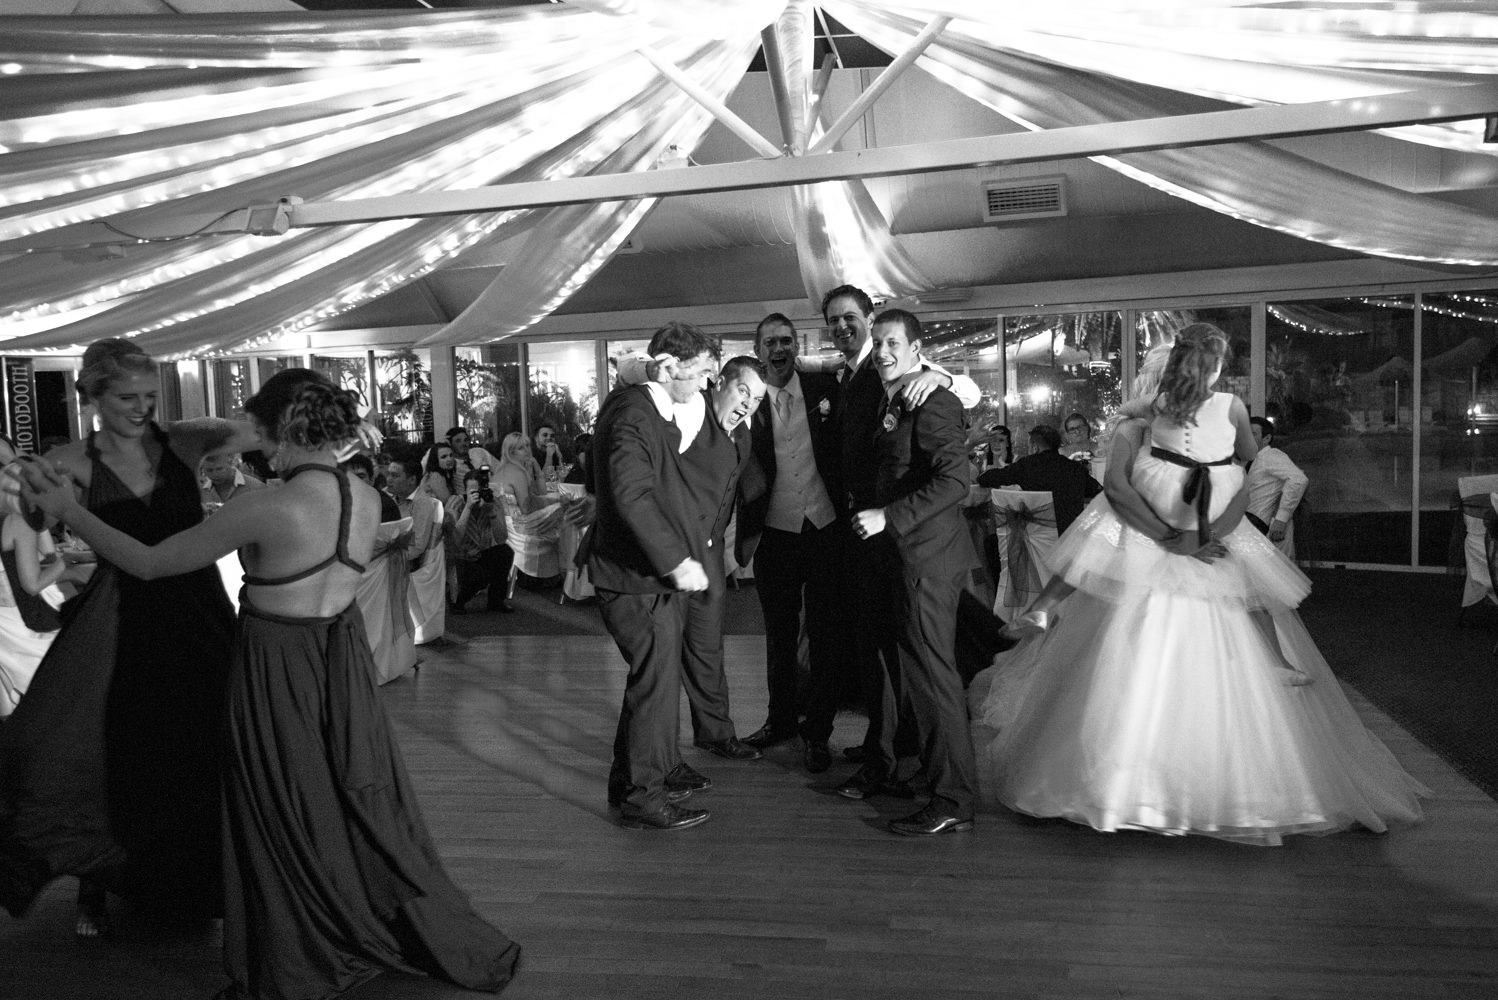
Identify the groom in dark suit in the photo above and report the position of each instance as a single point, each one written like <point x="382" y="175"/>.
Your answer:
<point x="790" y="525"/>
<point x="921" y="480"/>
<point x="647" y="550"/>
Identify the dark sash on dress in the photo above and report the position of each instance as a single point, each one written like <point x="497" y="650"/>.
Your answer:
<point x="1198" y="487"/>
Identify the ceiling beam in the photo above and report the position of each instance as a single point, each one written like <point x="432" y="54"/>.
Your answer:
<point x="1110" y="138"/>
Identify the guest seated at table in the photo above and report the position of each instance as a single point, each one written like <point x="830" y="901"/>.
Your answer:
<point x="360" y="466"/>
<point x="440" y="478"/>
<point x="221" y="479"/>
<point x="519" y="475"/>
<point x="580" y="473"/>
<point x="1045" y="470"/>
<point x="402" y="480"/>
<point x="547" y="452"/>
<point x="1079" y="444"/>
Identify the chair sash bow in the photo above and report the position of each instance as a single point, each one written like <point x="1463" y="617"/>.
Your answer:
<point x="1024" y="576"/>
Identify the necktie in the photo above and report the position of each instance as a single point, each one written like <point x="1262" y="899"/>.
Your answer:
<point x="783" y="406"/>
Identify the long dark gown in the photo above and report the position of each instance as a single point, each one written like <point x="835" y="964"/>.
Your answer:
<point x="330" y="873"/>
<point x="109" y="767"/>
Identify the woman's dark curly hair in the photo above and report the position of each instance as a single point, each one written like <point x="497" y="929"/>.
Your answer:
<point x="300" y="406"/>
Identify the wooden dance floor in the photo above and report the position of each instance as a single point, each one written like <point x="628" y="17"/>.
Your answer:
<point x="792" y="892"/>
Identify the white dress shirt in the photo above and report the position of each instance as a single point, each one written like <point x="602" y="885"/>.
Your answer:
<point x="1275" y="486"/>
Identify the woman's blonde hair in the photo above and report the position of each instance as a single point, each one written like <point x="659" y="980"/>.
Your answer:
<point x="1200" y="352"/>
<point x="108" y="361"/>
<point x="513" y="440"/>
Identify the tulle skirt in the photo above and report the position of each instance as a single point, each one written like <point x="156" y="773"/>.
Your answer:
<point x="1103" y="556"/>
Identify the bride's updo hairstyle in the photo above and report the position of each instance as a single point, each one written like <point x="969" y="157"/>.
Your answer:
<point x="109" y="361"/>
<point x="1200" y="349"/>
<point x="301" y="407"/>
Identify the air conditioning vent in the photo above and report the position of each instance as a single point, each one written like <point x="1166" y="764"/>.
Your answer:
<point x="1024" y="198"/>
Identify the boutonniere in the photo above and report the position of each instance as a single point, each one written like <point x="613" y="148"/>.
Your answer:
<point x="825" y="406"/>
<point x="891" y="415"/>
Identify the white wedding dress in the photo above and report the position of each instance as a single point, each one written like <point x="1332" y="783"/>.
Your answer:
<point x="1154" y="702"/>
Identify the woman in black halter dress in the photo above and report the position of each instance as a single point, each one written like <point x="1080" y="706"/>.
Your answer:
<point x="109" y="767"/>
<point x="330" y="874"/>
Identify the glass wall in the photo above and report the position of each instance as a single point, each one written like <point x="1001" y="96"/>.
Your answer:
<point x="488" y="392"/>
<point x="403" y="394"/>
<point x="231" y="387"/>
<point x="1061" y="364"/>
<point x="347" y="372"/>
<point x="562" y="389"/>
<point x="1459" y="407"/>
<point x="1338" y="384"/>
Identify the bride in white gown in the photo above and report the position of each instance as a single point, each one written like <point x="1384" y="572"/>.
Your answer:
<point x="1159" y="698"/>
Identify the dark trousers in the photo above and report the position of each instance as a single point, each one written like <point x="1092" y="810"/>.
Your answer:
<point x="490" y="570"/>
<point x="702" y="674"/>
<point x="927" y="614"/>
<point x="647" y="628"/>
<point x="795" y="572"/>
<point x="874" y="575"/>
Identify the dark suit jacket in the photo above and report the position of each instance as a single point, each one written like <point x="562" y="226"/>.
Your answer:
<point x="711" y="468"/>
<point x="922" y="479"/>
<point x="757" y="483"/>
<point x="861" y="404"/>
<point x="1067" y="480"/>
<point x="646" y="523"/>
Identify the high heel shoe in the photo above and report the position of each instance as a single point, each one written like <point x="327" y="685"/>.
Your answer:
<point x="1027" y="624"/>
<point x="1296" y="677"/>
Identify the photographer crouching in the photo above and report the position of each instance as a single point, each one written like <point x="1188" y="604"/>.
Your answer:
<point x="483" y="557"/>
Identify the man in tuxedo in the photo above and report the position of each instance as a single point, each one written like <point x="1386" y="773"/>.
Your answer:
<point x="792" y="527"/>
<point x="647" y="549"/>
<point x="711" y="468"/>
<point x="921" y="480"/>
<point x="1046" y="470"/>
<point x="867" y="568"/>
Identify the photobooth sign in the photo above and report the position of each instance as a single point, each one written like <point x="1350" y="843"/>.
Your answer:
<point x="20" y="402"/>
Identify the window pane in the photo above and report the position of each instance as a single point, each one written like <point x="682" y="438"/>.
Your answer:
<point x="403" y="389"/>
<point x="1160" y="326"/>
<point x="231" y="387"/>
<point x="1337" y="385"/>
<point x="1459" y="407"/>
<point x="488" y="384"/>
<point x="563" y="390"/>
<point x="1063" y="365"/>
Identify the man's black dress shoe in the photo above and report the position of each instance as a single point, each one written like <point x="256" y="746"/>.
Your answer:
<point x="768" y="736"/>
<point x="929" y="822"/>
<point x="864" y="783"/>
<point x="816" y="756"/>
<point x="672" y="795"/>
<point x="730" y="749"/>
<point x="669" y="818"/>
<point x="682" y="776"/>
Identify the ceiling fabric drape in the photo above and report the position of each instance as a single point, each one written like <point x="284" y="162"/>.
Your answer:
<point x="121" y="120"/>
<point x="1254" y="181"/>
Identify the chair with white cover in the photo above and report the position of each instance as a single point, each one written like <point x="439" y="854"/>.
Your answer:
<point x="1476" y="500"/>
<point x="1025" y="529"/>
<point x="384" y="601"/>
<point x="534" y="538"/>
<point x="576" y="517"/>
<point x="428" y="595"/>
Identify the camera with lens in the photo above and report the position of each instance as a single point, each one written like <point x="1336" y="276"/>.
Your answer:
<point x="486" y="493"/>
